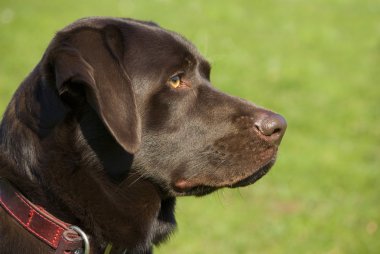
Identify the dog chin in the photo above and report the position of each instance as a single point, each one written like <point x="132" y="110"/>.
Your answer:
<point x="255" y="176"/>
<point x="202" y="190"/>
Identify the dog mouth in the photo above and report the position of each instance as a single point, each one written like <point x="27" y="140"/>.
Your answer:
<point x="181" y="189"/>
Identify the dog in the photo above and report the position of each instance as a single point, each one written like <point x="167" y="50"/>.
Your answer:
<point x="117" y="120"/>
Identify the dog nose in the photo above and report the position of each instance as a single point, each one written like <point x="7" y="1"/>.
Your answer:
<point x="271" y="125"/>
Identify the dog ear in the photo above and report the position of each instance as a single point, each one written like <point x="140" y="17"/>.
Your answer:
<point x="92" y="59"/>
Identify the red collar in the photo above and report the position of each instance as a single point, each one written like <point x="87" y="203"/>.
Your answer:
<point x="62" y="237"/>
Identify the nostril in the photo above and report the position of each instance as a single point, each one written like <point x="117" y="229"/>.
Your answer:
<point x="257" y="126"/>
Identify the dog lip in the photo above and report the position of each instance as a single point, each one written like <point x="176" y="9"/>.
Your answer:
<point x="182" y="184"/>
<point x="187" y="187"/>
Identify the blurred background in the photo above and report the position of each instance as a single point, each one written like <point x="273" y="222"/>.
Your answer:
<point x="317" y="62"/>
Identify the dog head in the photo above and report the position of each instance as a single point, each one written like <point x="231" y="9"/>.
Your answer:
<point x="151" y="89"/>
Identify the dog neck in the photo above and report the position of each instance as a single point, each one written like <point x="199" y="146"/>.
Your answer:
<point x="78" y="172"/>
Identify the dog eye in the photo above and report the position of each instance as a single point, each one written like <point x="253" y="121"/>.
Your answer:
<point x="175" y="81"/>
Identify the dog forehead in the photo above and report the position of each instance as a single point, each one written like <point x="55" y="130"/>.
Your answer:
<point x="157" y="38"/>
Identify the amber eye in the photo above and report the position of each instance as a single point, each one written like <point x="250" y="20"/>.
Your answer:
<point x="175" y="81"/>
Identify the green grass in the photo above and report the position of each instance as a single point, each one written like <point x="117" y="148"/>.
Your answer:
<point x="316" y="62"/>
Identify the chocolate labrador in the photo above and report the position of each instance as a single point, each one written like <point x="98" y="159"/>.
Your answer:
<point x="117" y="120"/>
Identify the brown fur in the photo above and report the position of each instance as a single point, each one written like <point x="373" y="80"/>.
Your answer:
<point x="96" y="136"/>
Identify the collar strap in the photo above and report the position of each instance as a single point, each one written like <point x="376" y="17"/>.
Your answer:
<point x="62" y="237"/>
